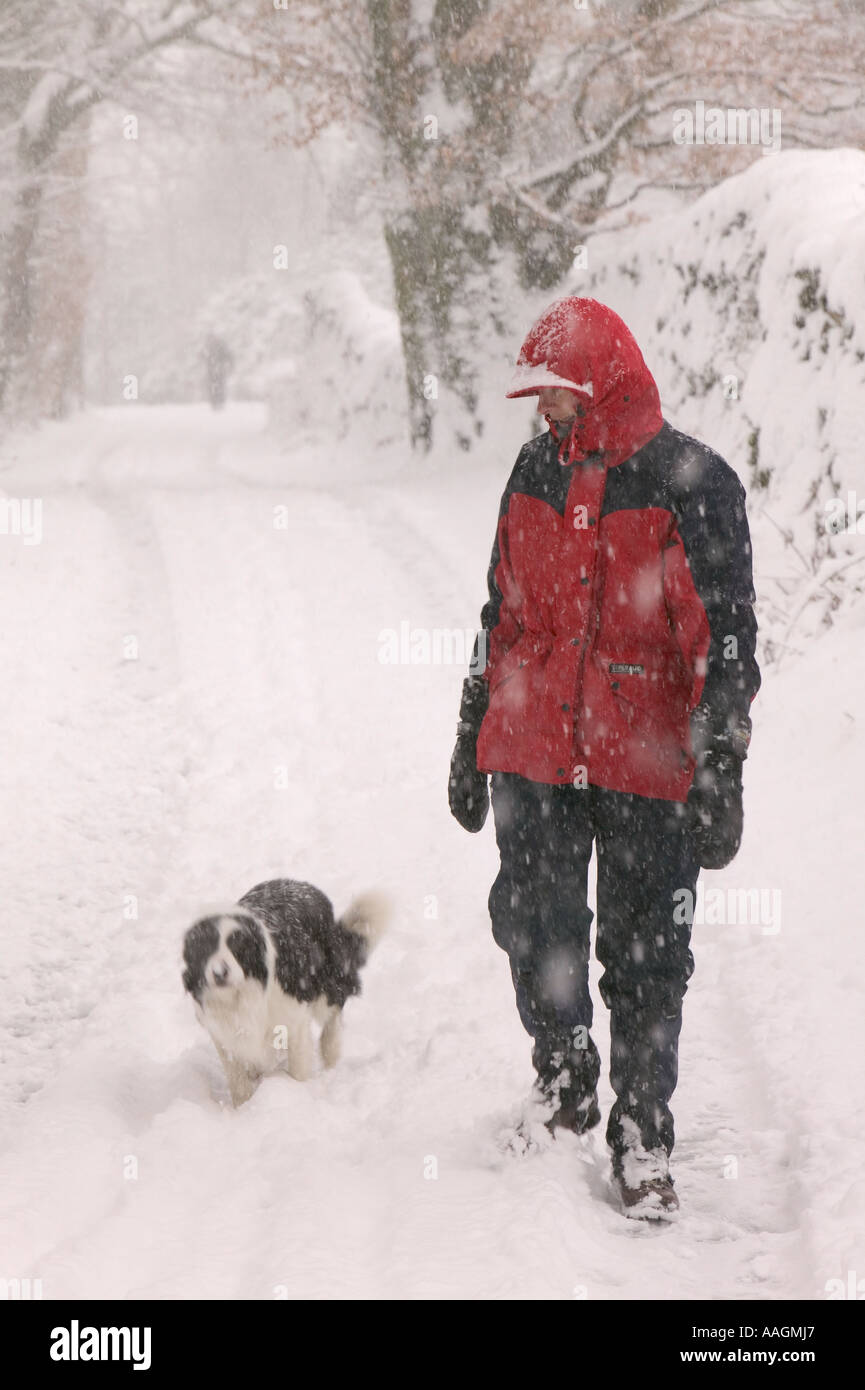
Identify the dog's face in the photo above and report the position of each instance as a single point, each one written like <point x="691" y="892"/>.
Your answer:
<point x="221" y="954"/>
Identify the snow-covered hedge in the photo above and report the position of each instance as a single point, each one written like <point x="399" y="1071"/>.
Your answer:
<point x="346" y="379"/>
<point x="750" y="310"/>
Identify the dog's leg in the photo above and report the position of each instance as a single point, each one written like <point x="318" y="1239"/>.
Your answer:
<point x="300" y="1058"/>
<point x="242" y="1083"/>
<point x="330" y="1041"/>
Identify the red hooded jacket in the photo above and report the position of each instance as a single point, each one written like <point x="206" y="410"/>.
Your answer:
<point x="620" y="588"/>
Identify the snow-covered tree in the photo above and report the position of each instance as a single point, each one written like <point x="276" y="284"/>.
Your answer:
<point x="53" y="75"/>
<point x="506" y="134"/>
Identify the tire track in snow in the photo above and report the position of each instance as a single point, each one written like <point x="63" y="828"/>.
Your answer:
<point x="96" y="728"/>
<point x="738" y="1131"/>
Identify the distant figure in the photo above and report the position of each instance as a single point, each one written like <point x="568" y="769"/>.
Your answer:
<point x="218" y="362"/>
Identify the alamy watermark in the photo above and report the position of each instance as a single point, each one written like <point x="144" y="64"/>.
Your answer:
<point x="851" y="1288"/>
<point x="737" y="125"/>
<point x="22" y="516"/>
<point x="437" y="646"/>
<point x="16" y="1290"/>
<point x="845" y="517"/>
<point x="77" y="1343"/>
<point x="729" y="907"/>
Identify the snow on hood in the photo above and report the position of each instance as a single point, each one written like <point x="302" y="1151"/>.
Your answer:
<point x="584" y="346"/>
<point x="528" y="380"/>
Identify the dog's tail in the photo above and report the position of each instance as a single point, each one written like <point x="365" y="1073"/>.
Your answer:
<point x="368" y="916"/>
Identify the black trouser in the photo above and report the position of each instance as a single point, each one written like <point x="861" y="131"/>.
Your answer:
<point x="540" y="916"/>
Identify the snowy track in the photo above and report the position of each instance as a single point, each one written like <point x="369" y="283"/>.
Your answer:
<point x="257" y="733"/>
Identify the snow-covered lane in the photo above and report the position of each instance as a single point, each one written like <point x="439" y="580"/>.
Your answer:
<point x="255" y="733"/>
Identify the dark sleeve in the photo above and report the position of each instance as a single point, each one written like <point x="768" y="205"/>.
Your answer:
<point x="712" y="523"/>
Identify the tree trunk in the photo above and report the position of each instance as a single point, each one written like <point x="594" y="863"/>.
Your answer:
<point x="17" y="323"/>
<point x="53" y="373"/>
<point x="435" y="258"/>
<point x="442" y="250"/>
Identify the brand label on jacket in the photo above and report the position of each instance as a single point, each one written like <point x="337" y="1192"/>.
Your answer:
<point x="624" y="668"/>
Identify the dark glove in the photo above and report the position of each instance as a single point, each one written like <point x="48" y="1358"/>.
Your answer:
<point x="715" y="798"/>
<point x="715" y="805"/>
<point x="468" y="793"/>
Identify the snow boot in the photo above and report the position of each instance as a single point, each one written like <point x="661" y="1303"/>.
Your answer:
<point x="568" y="1105"/>
<point x="524" y="1137"/>
<point x="550" y="1107"/>
<point x="644" y="1183"/>
<point x="576" y="1113"/>
<point x="653" y="1200"/>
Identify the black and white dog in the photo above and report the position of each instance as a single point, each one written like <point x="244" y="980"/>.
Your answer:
<point x="264" y="970"/>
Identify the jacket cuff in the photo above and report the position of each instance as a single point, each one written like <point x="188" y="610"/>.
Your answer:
<point x="473" y="704"/>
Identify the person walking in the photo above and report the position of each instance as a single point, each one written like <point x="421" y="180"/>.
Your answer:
<point x="218" y="363"/>
<point x="608" y="705"/>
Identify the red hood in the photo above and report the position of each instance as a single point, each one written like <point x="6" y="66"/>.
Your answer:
<point x="585" y="347"/>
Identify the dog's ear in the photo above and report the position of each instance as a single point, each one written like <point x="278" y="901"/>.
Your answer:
<point x="199" y="944"/>
<point x="246" y="943"/>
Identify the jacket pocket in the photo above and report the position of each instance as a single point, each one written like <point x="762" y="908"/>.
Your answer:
<point x="527" y="648"/>
<point x="507" y="668"/>
<point x="646" y="687"/>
